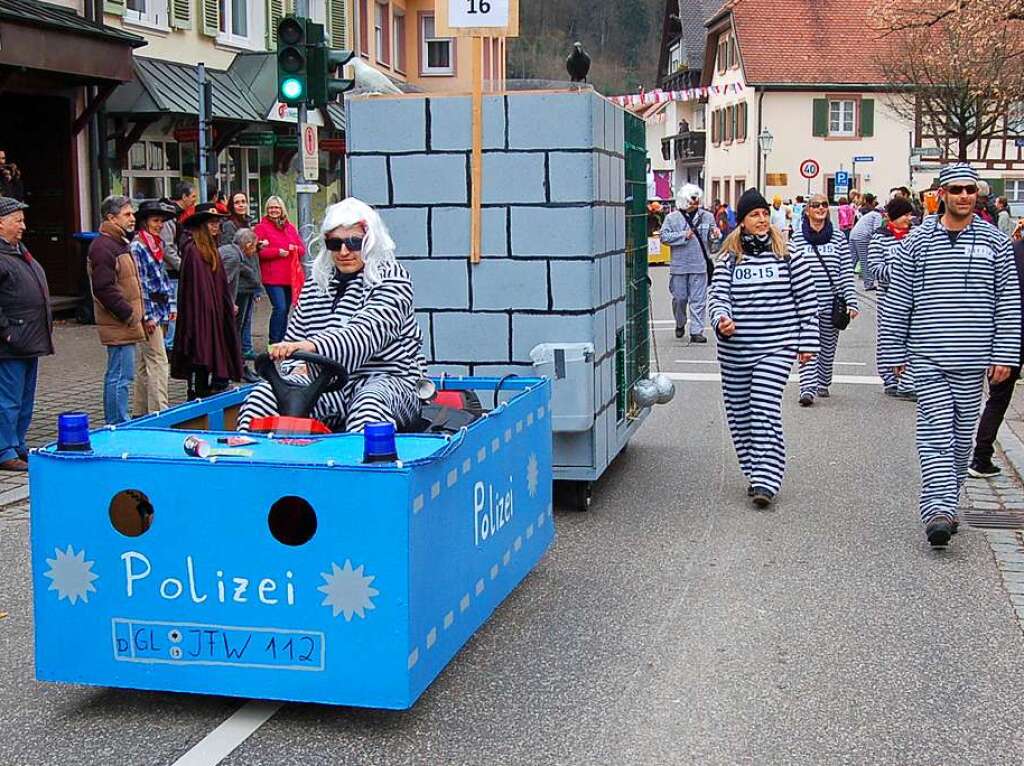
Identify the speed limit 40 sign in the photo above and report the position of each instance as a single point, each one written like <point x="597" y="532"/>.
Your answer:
<point x="477" y="18"/>
<point x="809" y="169"/>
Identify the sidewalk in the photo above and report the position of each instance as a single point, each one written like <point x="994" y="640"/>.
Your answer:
<point x="72" y="379"/>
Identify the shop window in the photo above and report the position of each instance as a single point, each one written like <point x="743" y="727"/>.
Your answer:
<point x="153" y="167"/>
<point x="437" y="56"/>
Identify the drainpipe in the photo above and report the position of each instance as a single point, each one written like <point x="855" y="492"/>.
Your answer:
<point x="757" y="135"/>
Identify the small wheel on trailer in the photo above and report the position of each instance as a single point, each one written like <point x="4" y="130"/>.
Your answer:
<point x="574" y="495"/>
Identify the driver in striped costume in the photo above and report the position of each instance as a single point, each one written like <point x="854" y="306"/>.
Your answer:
<point x="356" y="308"/>
<point x="952" y="312"/>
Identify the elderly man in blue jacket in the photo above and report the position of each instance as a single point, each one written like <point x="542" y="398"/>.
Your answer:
<point x="26" y="328"/>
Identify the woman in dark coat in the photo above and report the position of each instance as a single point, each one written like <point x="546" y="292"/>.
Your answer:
<point x="206" y="342"/>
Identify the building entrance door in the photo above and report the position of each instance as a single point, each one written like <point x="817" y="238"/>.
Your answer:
<point x="36" y="134"/>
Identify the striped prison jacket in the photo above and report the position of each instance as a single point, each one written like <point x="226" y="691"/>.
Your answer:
<point x="835" y="257"/>
<point x="882" y="253"/>
<point x="370" y="331"/>
<point x="771" y="300"/>
<point x="955" y="303"/>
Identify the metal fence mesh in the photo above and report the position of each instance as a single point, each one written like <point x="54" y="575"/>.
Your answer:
<point x="633" y="352"/>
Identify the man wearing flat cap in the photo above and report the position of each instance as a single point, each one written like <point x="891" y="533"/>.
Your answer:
<point x="953" y="314"/>
<point x="26" y="328"/>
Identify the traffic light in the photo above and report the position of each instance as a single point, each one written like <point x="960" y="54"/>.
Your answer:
<point x="324" y="64"/>
<point x="292" y="61"/>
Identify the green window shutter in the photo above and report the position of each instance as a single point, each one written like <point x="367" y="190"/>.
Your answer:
<point x="997" y="186"/>
<point x="337" y="24"/>
<point x="819" y="124"/>
<point x="867" y="117"/>
<point x="275" y="12"/>
<point x="181" y="14"/>
<point x="209" y="13"/>
<point x="114" y="6"/>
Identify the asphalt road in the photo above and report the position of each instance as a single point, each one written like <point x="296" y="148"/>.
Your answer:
<point x="670" y="624"/>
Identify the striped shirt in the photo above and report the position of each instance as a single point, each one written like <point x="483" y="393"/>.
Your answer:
<point x="832" y="268"/>
<point x="954" y="303"/>
<point x="883" y="250"/>
<point x="369" y="331"/>
<point x="866" y="227"/>
<point x="772" y="302"/>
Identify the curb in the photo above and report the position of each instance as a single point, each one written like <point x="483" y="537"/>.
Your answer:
<point x="18" y="494"/>
<point x="1013" y="448"/>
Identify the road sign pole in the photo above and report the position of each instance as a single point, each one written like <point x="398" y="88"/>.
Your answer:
<point x="304" y="200"/>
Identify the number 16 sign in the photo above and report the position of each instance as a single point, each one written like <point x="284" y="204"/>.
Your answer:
<point x="477" y="18"/>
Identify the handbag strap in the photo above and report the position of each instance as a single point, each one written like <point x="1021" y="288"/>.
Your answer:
<point x="831" y="284"/>
<point x="696" y="232"/>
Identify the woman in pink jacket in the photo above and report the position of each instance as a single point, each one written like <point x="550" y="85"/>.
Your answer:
<point x="281" y="251"/>
<point x="847" y="217"/>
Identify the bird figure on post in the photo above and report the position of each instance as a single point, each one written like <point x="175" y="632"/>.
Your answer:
<point x="578" y="63"/>
<point x="370" y="80"/>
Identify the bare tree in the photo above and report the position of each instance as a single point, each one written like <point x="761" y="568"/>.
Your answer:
<point x="957" y="67"/>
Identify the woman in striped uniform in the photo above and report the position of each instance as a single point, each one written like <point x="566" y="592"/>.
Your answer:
<point x="827" y="254"/>
<point x="883" y="250"/>
<point x="952" y="313"/>
<point x="764" y="311"/>
<point x="357" y="309"/>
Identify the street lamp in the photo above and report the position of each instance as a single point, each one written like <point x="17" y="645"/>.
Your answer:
<point x="765" y="139"/>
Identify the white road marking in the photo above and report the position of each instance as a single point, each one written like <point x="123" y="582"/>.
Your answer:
<point x="222" y="741"/>
<point x="709" y="377"/>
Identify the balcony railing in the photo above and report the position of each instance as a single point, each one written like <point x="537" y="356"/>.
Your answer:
<point x="689" y="145"/>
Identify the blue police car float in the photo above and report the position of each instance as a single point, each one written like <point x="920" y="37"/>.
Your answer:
<point x="172" y="553"/>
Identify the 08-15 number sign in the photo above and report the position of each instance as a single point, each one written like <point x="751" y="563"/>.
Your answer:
<point x="478" y="13"/>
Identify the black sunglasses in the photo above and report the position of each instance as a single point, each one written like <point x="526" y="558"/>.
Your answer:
<point x="816" y="205"/>
<point x="958" y="189"/>
<point x="354" y="244"/>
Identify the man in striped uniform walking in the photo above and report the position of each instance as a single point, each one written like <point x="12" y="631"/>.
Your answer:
<point x="825" y="250"/>
<point x="356" y="308"/>
<point x="953" y="313"/>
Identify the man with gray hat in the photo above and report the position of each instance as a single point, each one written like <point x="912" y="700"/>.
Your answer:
<point x="953" y="314"/>
<point x="26" y="328"/>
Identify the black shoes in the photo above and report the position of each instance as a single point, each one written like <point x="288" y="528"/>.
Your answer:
<point x="806" y="400"/>
<point x="696" y="338"/>
<point x="249" y="375"/>
<point x="983" y="469"/>
<point x="680" y="332"/>
<point x="823" y="393"/>
<point x="938" y="531"/>
<point x="761" y="497"/>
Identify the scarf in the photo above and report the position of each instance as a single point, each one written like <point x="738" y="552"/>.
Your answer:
<point x="755" y="244"/>
<point x="822" y="237"/>
<point x="340" y="283"/>
<point x="155" y="245"/>
<point x="898" y="233"/>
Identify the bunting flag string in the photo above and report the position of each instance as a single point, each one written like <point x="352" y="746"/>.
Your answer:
<point x="645" y="98"/>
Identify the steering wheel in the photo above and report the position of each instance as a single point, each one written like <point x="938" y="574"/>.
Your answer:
<point x="294" y="400"/>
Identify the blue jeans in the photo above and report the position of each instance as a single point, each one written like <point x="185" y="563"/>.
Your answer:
<point x="169" y="334"/>
<point x="17" y="396"/>
<point x="117" y="383"/>
<point x="281" y="300"/>
<point x="243" y="320"/>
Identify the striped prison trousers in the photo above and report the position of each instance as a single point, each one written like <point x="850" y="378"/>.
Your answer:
<point x="905" y="383"/>
<point x="753" y="410"/>
<point x="948" y="402"/>
<point x="817" y="373"/>
<point x="378" y="399"/>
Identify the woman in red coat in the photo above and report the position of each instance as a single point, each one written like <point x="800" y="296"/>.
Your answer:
<point x="281" y="251"/>
<point x="206" y="341"/>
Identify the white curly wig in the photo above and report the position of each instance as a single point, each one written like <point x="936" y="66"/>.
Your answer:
<point x="378" y="247"/>
<point x="685" y="192"/>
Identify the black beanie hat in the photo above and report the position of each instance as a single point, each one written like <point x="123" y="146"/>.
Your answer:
<point x="750" y="201"/>
<point x="897" y="207"/>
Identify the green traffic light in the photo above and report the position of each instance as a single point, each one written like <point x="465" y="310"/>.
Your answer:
<point x="291" y="88"/>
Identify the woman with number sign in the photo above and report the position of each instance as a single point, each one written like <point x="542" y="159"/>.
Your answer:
<point x="827" y="254"/>
<point x="765" y="314"/>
